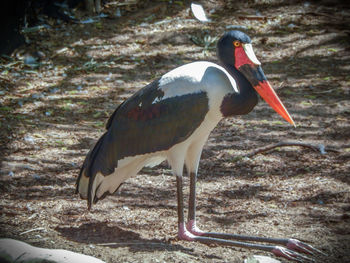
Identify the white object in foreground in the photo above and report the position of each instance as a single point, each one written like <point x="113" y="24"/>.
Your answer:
<point x="261" y="259"/>
<point x="17" y="251"/>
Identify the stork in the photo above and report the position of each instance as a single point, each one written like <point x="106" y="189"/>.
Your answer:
<point x="171" y="119"/>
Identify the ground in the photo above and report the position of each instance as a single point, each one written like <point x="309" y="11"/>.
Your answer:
<point x="53" y="112"/>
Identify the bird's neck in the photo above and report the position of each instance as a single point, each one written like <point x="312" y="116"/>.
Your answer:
<point x="241" y="102"/>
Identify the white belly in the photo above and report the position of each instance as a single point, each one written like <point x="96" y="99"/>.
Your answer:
<point x="189" y="149"/>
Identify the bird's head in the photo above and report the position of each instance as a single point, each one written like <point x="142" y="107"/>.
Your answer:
<point x="235" y="50"/>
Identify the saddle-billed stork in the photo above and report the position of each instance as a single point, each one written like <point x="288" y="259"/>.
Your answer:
<point x="171" y="119"/>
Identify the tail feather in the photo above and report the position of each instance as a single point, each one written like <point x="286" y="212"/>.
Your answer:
<point x="79" y="177"/>
<point x="86" y="183"/>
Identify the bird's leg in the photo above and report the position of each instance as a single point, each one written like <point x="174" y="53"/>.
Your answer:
<point x="191" y="222"/>
<point x="292" y="245"/>
<point x="183" y="233"/>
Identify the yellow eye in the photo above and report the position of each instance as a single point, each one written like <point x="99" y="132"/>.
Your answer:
<point x="236" y="43"/>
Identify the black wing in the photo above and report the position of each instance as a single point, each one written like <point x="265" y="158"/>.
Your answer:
<point x="145" y="123"/>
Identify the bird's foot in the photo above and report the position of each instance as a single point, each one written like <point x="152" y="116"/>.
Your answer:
<point x="290" y="254"/>
<point x="192" y="228"/>
<point x="184" y="234"/>
<point x="296" y="245"/>
<point x="290" y="249"/>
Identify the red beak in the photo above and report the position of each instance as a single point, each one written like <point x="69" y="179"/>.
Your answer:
<point x="257" y="78"/>
<point x="269" y="95"/>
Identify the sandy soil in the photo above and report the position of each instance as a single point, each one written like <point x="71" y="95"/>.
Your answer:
<point x="52" y="114"/>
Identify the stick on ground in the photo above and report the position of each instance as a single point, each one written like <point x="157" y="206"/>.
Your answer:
<point x="316" y="147"/>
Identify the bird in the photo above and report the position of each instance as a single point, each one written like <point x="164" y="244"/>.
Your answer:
<point x="171" y="119"/>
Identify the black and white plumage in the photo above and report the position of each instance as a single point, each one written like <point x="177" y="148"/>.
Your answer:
<point x="171" y="119"/>
<point x="161" y="121"/>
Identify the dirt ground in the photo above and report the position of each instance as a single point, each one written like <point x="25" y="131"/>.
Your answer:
<point x="52" y="113"/>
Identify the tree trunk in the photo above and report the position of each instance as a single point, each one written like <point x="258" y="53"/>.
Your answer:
<point x="98" y="6"/>
<point x="89" y="5"/>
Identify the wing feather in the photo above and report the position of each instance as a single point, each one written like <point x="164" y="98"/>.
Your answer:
<point x="144" y="123"/>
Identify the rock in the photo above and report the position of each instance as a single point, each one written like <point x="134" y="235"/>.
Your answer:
<point x="29" y="139"/>
<point x="29" y="60"/>
<point x="17" y="251"/>
<point x="261" y="259"/>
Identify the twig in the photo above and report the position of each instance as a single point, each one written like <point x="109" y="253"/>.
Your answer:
<point x="131" y="243"/>
<point x="156" y="8"/>
<point x="340" y="18"/>
<point x="316" y="147"/>
<point x="34" y="229"/>
<point x="127" y="3"/>
<point x="5" y="79"/>
<point x="253" y="17"/>
<point x="324" y="91"/>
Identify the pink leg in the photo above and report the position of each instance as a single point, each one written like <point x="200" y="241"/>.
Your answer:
<point x="192" y="227"/>
<point x="184" y="234"/>
<point x="192" y="233"/>
<point x="191" y="223"/>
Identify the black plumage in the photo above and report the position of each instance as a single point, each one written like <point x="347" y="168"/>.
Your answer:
<point x="137" y="127"/>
